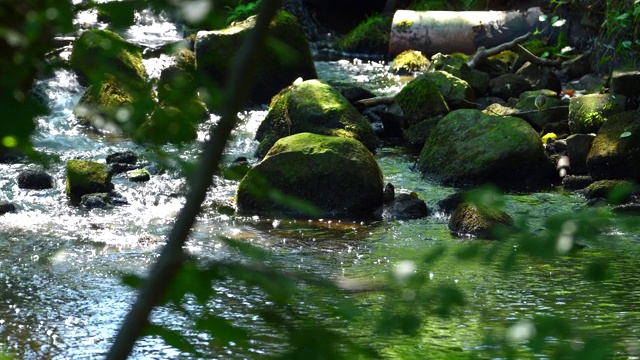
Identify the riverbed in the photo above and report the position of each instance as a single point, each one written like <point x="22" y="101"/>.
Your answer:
<point x="61" y="294"/>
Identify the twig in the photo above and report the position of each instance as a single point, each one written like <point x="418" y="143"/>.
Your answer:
<point x="170" y="261"/>
<point x="513" y="45"/>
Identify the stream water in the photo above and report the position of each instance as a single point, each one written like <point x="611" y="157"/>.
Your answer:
<point x="61" y="295"/>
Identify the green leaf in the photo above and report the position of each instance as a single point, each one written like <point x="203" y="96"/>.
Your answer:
<point x="222" y="330"/>
<point x="625" y="134"/>
<point x="254" y="252"/>
<point x="132" y="280"/>
<point x="171" y="337"/>
<point x="626" y="44"/>
<point x="622" y="17"/>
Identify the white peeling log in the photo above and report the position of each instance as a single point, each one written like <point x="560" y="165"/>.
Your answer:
<point x="447" y="32"/>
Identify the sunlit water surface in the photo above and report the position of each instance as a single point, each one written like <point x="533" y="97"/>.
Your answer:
<point x="60" y="265"/>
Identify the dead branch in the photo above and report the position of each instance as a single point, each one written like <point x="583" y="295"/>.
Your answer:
<point x="513" y="45"/>
<point x="482" y="53"/>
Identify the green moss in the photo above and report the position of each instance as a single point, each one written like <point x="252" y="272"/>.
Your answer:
<point x="313" y="107"/>
<point x="468" y="147"/>
<point x="486" y="223"/>
<point x="616" y="191"/>
<point x="336" y="175"/>
<point x="86" y="177"/>
<point x="371" y="35"/>
<point x="409" y="61"/>
<point x="103" y="100"/>
<point x="588" y="113"/>
<point x="98" y="53"/>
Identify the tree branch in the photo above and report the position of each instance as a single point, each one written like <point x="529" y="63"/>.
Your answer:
<point x="171" y="257"/>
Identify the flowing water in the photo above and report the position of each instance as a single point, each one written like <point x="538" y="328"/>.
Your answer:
<point x="60" y="266"/>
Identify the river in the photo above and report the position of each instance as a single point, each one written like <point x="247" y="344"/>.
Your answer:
<point x="61" y="294"/>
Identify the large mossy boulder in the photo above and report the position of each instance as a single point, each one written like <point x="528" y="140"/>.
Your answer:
<point x="87" y="177"/>
<point x="587" y="113"/>
<point x="285" y="59"/>
<point x="337" y="176"/>
<point x="315" y="107"/>
<point x="113" y="70"/>
<point x="469" y="147"/>
<point x="487" y="223"/>
<point x="615" y="152"/>
<point x="433" y="93"/>
<point x="98" y="53"/>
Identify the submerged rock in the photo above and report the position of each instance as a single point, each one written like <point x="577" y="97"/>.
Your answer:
<point x="405" y="207"/>
<point x="7" y="207"/>
<point x="313" y="175"/>
<point x="96" y="201"/>
<point x="315" y="107"/>
<point x="470" y="220"/>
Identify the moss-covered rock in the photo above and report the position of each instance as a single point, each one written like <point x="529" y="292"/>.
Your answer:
<point x="468" y="147"/>
<point x="615" y="152"/>
<point x="177" y="82"/>
<point x="457" y="66"/>
<point x="168" y="124"/>
<point x="587" y="113"/>
<point x="139" y="175"/>
<point x="433" y="93"/>
<point x="315" y="107"/>
<point x="98" y="53"/>
<point x="86" y="177"/>
<point x="370" y="36"/>
<point x="282" y="63"/>
<point x="486" y="223"/>
<point x="615" y="191"/>
<point x="409" y="62"/>
<point x="177" y="87"/>
<point x="500" y="110"/>
<point x="336" y="176"/>
<point x="416" y="135"/>
<point x="101" y="102"/>
<point x="554" y="110"/>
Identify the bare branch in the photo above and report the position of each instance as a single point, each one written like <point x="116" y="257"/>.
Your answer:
<point x="171" y="258"/>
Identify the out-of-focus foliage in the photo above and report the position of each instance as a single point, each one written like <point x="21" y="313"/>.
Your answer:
<point x="410" y="297"/>
<point x="27" y="29"/>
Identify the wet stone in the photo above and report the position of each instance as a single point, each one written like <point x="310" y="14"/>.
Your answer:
<point x="6" y="207"/>
<point x="35" y="179"/>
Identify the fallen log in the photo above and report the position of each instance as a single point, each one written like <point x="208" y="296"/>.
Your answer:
<point x="446" y="32"/>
